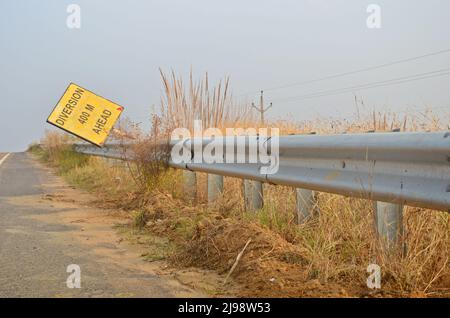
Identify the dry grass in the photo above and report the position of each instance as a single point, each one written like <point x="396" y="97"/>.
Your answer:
<point x="333" y="249"/>
<point x="54" y="143"/>
<point x="327" y="256"/>
<point x="340" y="242"/>
<point x="214" y="106"/>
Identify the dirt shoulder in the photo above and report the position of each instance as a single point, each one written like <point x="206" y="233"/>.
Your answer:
<point x="95" y="231"/>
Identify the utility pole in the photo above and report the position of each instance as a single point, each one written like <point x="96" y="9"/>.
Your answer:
<point x="253" y="190"/>
<point x="261" y="108"/>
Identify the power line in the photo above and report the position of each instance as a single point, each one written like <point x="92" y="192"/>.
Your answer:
<point x="423" y="109"/>
<point x="394" y="81"/>
<point x="357" y="71"/>
<point x="366" y="87"/>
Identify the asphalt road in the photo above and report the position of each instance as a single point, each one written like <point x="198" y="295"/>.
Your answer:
<point x="34" y="254"/>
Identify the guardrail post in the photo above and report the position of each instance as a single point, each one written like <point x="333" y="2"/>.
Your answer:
<point x="389" y="223"/>
<point x="190" y="185"/>
<point x="253" y="195"/>
<point x="305" y="204"/>
<point x="215" y="187"/>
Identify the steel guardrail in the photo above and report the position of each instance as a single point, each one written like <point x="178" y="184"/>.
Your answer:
<point x="397" y="167"/>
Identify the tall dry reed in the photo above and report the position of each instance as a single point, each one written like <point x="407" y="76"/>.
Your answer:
<point x="213" y="105"/>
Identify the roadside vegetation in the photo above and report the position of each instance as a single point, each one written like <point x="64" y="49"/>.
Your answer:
<point x="327" y="256"/>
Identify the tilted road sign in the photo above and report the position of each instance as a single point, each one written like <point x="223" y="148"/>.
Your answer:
<point x="85" y="114"/>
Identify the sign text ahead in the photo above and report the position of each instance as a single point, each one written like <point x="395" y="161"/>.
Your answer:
<point x="84" y="114"/>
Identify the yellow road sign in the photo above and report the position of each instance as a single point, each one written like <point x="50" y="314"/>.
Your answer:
<point x="85" y="114"/>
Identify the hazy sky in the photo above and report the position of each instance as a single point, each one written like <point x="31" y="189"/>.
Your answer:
<point x="259" y="44"/>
